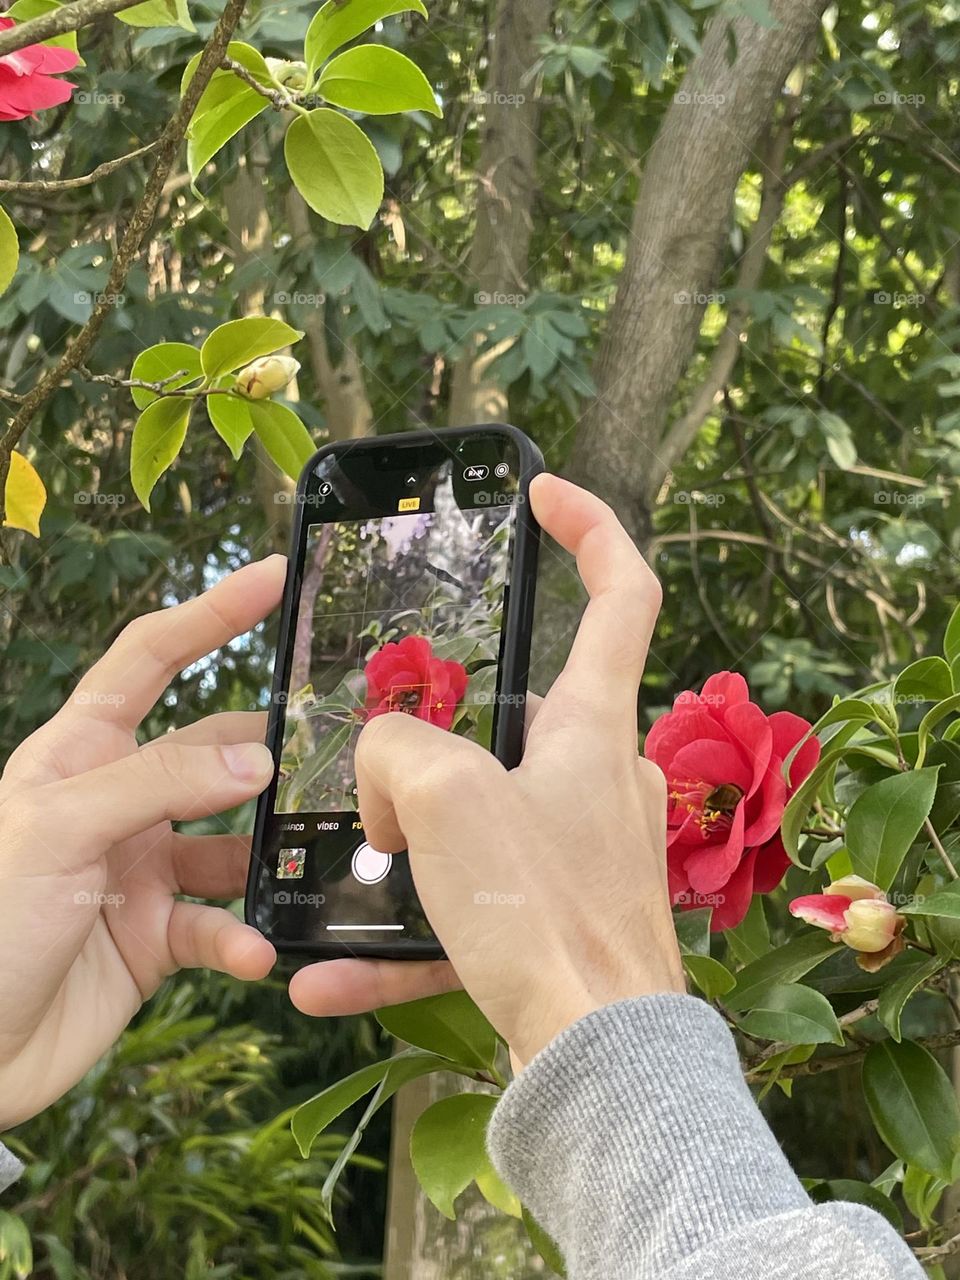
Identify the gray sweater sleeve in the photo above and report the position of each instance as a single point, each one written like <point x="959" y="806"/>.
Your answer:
<point x="635" y="1142"/>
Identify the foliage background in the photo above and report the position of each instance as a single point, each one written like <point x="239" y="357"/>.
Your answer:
<point x="805" y="529"/>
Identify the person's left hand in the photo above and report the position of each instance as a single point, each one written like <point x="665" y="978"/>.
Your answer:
<point x="90" y="866"/>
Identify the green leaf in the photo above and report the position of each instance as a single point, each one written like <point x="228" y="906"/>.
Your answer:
<point x="799" y="804"/>
<point x="945" y="903"/>
<point x="849" y="1191"/>
<point x="377" y="81"/>
<point x="231" y="420"/>
<point x="335" y="167"/>
<point x="884" y="821"/>
<point x="693" y="930"/>
<point x="16" y="1249"/>
<point x="161" y="362"/>
<point x="751" y="938"/>
<point x="794" y="1014"/>
<point x="337" y="23"/>
<point x="9" y="251"/>
<point x="495" y="1191"/>
<point x="283" y="435"/>
<point x="157" y="439"/>
<point x="312" y="1117"/>
<point x="159" y="13"/>
<point x="894" y="997"/>
<point x="931" y="720"/>
<point x="713" y="978"/>
<point x="544" y="1244"/>
<point x="913" y="1105"/>
<point x="226" y="105"/>
<point x="25" y="496"/>
<point x="450" y="1025"/>
<point x="951" y="637"/>
<point x="448" y="1147"/>
<point x="928" y="680"/>
<point x="922" y="1193"/>
<point x="786" y="964"/>
<point x="238" y="342"/>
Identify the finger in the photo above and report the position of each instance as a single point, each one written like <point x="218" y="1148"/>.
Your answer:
<point x="411" y="780"/>
<point x="531" y="708"/>
<point x="163" y="780"/>
<point x="602" y="674"/>
<point x="211" y="938"/>
<point x="211" y="866"/>
<point x="135" y="670"/>
<point x="227" y="726"/>
<point x="337" y="987"/>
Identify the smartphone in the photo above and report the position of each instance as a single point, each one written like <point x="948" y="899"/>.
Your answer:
<point x="410" y="588"/>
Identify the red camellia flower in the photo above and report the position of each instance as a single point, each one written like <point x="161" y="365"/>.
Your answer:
<point x="407" y="677"/>
<point x="27" y="82"/>
<point x="723" y="759"/>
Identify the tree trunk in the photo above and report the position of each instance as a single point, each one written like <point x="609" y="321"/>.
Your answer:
<point x="506" y="187"/>
<point x="716" y="127"/>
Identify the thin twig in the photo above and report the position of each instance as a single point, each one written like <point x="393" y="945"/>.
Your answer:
<point x="69" y="184"/>
<point x="276" y="97"/>
<point x="816" y="1066"/>
<point x="137" y="230"/>
<point x="938" y="845"/>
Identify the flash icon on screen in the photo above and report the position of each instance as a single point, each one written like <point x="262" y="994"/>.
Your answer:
<point x="408" y="504"/>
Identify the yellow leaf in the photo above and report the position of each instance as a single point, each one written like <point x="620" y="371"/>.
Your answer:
<point x="26" y="496"/>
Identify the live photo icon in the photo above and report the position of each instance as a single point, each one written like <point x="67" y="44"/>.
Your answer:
<point x="408" y="504"/>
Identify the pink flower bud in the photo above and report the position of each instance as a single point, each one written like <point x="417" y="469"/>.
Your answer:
<point x="857" y="914"/>
<point x="855" y="888"/>
<point x="266" y="375"/>
<point x="871" y="925"/>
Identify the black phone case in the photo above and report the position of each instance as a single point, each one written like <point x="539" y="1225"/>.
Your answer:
<point x="512" y="675"/>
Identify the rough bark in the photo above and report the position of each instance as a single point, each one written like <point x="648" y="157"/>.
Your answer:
<point x="506" y="187"/>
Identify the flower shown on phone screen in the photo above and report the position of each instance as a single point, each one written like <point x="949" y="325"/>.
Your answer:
<point x="405" y="676"/>
<point x="28" y="78"/>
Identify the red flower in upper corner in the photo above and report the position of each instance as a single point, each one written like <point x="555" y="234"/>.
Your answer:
<point x="723" y="759"/>
<point x="407" y="677"/>
<point x="27" y="78"/>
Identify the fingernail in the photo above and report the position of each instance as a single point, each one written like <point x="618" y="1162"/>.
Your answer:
<point x="249" y="761"/>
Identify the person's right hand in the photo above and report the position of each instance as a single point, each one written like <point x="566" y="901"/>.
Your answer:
<point x="546" y="884"/>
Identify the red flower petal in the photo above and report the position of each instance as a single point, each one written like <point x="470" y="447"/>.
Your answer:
<point x="772" y="864"/>
<point x="734" y="898"/>
<point x="725" y="689"/>
<point x="710" y="761"/>
<point x="710" y="869"/>
<point x="788" y="729"/>
<point x="825" y="910"/>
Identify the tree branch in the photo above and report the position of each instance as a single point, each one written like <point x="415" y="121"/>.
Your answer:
<point x="70" y="184"/>
<point x="70" y="18"/>
<point x="168" y="146"/>
<point x="816" y="1066"/>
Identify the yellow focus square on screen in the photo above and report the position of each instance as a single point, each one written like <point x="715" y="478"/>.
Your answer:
<point x="408" y="504"/>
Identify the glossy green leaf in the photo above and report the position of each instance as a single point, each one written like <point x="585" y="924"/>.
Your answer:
<point x="312" y="1117"/>
<point x="159" y="13"/>
<point x="922" y="1193"/>
<point x="693" y="930"/>
<point x="335" y="167"/>
<point x="283" y="435"/>
<point x="927" y="680"/>
<point x="786" y="964"/>
<point x="231" y="420"/>
<point x="800" y="803"/>
<point x="226" y="105"/>
<point x="9" y="251"/>
<point x="157" y="440"/>
<point x="895" y="996"/>
<point x="713" y="978"/>
<point x="544" y="1245"/>
<point x="335" y="24"/>
<point x="793" y="1014"/>
<point x="850" y="1191"/>
<point x="949" y="707"/>
<point x="377" y="81"/>
<point x="884" y="822"/>
<point x="238" y="342"/>
<point x="751" y="938"/>
<point x="496" y="1192"/>
<point x="450" y="1025"/>
<point x="913" y="1105"/>
<point x="951" y="637"/>
<point x="160" y="363"/>
<point x="944" y="903"/>
<point x="448" y="1147"/>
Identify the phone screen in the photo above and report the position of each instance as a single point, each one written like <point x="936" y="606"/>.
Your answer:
<point x="404" y="572"/>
